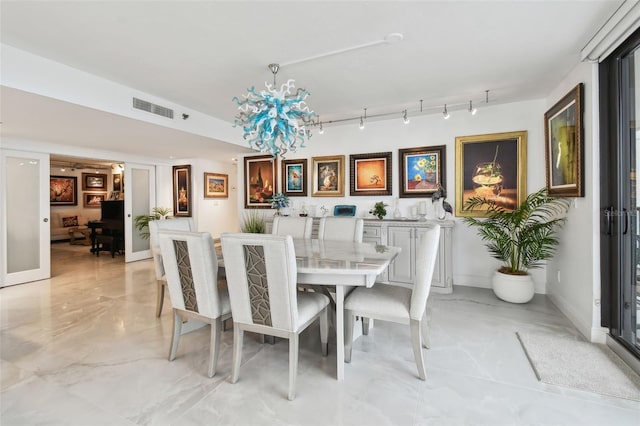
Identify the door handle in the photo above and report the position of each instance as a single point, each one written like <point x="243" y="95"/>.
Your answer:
<point x="608" y="213"/>
<point x="626" y="221"/>
<point x="45" y="220"/>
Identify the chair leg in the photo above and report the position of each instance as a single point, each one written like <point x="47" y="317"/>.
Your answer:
<point x="416" y="340"/>
<point x="348" y="335"/>
<point x="175" y="337"/>
<point x="365" y="326"/>
<point x="214" y="345"/>
<point x="160" y="297"/>
<point x="324" y="331"/>
<point x="238" y="335"/>
<point x="293" y="364"/>
<point x="424" y="328"/>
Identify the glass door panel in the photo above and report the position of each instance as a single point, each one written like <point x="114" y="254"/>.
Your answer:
<point x="139" y="199"/>
<point x="24" y="186"/>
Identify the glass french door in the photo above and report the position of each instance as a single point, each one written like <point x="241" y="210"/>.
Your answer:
<point x="620" y="146"/>
<point x="139" y="199"/>
<point x="24" y="217"/>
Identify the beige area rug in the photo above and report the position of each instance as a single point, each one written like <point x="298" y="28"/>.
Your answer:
<point x="569" y="362"/>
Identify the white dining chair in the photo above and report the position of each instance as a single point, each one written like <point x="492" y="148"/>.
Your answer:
<point x="341" y="229"/>
<point x="191" y="267"/>
<point x="175" y="224"/>
<point x="261" y="278"/>
<point x="398" y="304"/>
<point x="297" y="227"/>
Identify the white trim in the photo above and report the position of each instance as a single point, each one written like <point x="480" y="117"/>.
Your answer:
<point x="624" y="21"/>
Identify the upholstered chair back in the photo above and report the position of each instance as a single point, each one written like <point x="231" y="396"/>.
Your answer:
<point x="297" y="227"/>
<point x="191" y="268"/>
<point x="341" y="229"/>
<point x="425" y="264"/>
<point x="155" y="226"/>
<point x="261" y="278"/>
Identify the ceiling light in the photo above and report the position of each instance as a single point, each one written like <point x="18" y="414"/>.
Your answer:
<point x="405" y="119"/>
<point x="274" y="120"/>
<point x="445" y="113"/>
<point x="472" y="110"/>
<point x="361" y="123"/>
<point x="62" y="169"/>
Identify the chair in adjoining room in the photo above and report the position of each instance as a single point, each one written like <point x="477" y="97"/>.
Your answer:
<point x="341" y="229"/>
<point x="261" y="276"/>
<point x="297" y="227"/>
<point x="176" y="224"/>
<point x="398" y="304"/>
<point x="191" y="267"/>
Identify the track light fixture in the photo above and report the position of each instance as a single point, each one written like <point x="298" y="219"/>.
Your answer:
<point x="445" y="113"/>
<point x="405" y="119"/>
<point x="472" y="110"/>
<point x="321" y="131"/>
<point x="361" y="123"/>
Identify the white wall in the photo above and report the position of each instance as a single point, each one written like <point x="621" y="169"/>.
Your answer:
<point x="471" y="264"/>
<point x="577" y="260"/>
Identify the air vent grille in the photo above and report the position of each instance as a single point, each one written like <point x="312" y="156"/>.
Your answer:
<point x="152" y="108"/>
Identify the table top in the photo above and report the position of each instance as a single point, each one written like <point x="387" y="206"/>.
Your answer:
<point x="342" y="257"/>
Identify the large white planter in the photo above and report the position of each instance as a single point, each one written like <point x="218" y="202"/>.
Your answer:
<point x="513" y="288"/>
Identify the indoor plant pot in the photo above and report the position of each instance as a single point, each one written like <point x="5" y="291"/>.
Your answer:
<point x="521" y="238"/>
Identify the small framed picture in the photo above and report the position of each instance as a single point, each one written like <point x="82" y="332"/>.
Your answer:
<point x="294" y="178"/>
<point x="117" y="182"/>
<point x="216" y="185"/>
<point x="94" y="181"/>
<point x="370" y="173"/>
<point x="182" y="190"/>
<point x="328" y="176"/>
<point x="94" y="199"/>
<point x="422" y="171"/>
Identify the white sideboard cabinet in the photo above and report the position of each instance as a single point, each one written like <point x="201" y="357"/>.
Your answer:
<point x="407" y="235"/>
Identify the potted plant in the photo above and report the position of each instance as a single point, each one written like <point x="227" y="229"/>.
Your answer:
<point x="379" y="210"/>
<point x="522" y="239"/>
<point x="141" y="222"/>
<point x="253" y="222"/>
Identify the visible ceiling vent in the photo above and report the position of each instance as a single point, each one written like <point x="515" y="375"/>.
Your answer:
<point x="152" y="108"/>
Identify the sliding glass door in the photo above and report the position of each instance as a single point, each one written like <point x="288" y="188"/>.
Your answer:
<point x="620" y="143"/>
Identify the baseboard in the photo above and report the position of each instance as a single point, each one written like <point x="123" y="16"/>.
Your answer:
<point x="583" y="325"/>
<point x="473" y="281"/>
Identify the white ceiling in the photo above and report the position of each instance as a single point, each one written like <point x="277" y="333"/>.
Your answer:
<point x="202" y="54"/>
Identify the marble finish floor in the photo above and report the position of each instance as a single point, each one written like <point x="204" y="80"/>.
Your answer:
<point x="85" y="348"/>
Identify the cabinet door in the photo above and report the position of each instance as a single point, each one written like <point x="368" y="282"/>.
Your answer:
<point x="438" y="279"/>
<point x="372" y="234"/>
<point x="402" y="269"/>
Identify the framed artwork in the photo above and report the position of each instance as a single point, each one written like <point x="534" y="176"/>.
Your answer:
<point x="328" y="176"/>
<point x="564" y="147"/>
<point x="294" y="178"/>
<point x="182" y="190"/>
<point x="216" y="185"/>
<point x="259" y="181"/>
<point x="94" y="181"/>
<point x="491" y="166"/>
<point x="117" y="182"/>
<point x="370" y="174"/>
<point x="94" y="199"/>
<point x="422" y="170"/>
<point x="63" y="190"/>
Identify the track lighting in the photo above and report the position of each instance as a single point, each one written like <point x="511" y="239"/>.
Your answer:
<point x="445" y="113"/>
<point x="361" y="123"/>
<point x="472" y="110"/>
<point x="405" y="119"/>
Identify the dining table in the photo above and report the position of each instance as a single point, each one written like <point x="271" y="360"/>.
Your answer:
<point x="343" y="264"/>
<point x="339" y="264"/>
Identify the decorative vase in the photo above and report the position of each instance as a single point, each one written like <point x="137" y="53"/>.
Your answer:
<point x="513" y="288"/>
<point x="277" y="213"/>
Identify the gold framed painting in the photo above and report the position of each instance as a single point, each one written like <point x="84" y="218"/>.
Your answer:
<point x="216" y="185"/>
<point x="259" y="181"/>
<point x="370" y="174"/>
<point x="491" y="166"/>
<point x="94" y="181"/>
<point x="564" y="146"/>
<point x="328" y="176"/>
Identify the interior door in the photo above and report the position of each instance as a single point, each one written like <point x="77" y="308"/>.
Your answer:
<point x="139" y="199"/>
<point x="24" y="220"/>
